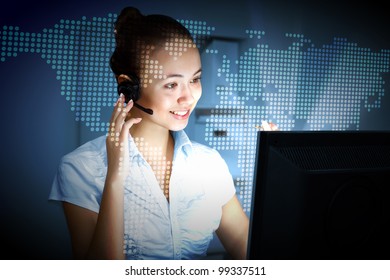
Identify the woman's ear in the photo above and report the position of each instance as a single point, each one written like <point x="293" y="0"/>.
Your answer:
<point x="122" y="78"/>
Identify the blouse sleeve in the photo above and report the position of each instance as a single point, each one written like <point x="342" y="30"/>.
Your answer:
<point x="79" y="180"/>
<point x="225" y="186"/>
<point x="216" y="172"/>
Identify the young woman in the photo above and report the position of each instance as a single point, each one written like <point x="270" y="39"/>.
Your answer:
<point x="145" y="191"/>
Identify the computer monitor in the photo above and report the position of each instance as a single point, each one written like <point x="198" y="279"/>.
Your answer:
<point x="321" y="195"/>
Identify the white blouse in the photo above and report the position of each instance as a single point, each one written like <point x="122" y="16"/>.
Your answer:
<point x="200" y="184"/>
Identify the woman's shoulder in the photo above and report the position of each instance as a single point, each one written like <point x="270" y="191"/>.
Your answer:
<point x="192" y="147"/>
<point x="80" y="175"/>
<point x="206" y="154"/>
<point x="92" y="150"/>
<point x="202" y="148"/>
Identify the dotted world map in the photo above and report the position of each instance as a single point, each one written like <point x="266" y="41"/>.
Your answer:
<point x="298" y="87"/>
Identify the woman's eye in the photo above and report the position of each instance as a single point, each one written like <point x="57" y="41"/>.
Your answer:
<point x="170" y="86"/>
<point x="196" y="80"/>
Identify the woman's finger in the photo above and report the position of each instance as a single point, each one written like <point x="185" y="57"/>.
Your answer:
<point x="273" y="127"/>
<point x="117" y="108"/>
<point x="126" y="128"/>
<point x="268" y="126"/>
<point x="265" y="126"/>
<point x="118" y="118"/>
<point x="122" y="111"/>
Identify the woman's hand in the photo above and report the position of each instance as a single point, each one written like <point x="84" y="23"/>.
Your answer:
<point x="117" y="141"/>
<point x="268" y="126"/>
<point x="100" y="235"/>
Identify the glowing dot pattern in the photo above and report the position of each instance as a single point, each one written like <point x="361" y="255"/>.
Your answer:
<point x="149" y="67"/>
<point x="136" y="210"/>
<point x="301" y="87"/>
<point x="158" y="162"/>
<point x="298" y="88"/>
<point x="79" y="52"/>
<point x="199" y="30"/>
<point x="176" y="46"/>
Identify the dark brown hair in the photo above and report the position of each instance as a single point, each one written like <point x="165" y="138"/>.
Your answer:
<point x="134" y="32"/>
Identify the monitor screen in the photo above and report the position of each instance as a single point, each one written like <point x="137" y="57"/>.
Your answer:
<point x="321" y="195"/>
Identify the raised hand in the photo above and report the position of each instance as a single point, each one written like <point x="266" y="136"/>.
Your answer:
<point x="117" y="141"/>
<point x="268" y="126"/>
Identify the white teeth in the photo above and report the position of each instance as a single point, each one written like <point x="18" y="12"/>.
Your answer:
<point x="179" y="113"/>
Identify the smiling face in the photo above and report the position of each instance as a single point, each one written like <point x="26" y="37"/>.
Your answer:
<point x="170" y="84"/>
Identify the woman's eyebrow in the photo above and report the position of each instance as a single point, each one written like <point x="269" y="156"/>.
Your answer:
<point x="200" y="70"/>
<point x="181" y="76"/>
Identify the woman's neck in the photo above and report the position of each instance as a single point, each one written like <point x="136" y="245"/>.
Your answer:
<point x="154" y="136"/>
<point x="156" y="145"/>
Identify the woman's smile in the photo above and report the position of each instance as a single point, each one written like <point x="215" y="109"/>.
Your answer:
<point x="181" y="114"/>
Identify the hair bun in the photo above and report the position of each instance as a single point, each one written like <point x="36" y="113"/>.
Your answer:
<point x="127" y="17"/>
<point x="135" y="33"/>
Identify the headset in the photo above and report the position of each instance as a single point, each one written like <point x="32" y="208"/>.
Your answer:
<point x="131" y="90"/>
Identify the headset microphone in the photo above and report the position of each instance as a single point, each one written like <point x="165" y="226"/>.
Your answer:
<point x="146" y="110"/>
<point x="130" y="90"/>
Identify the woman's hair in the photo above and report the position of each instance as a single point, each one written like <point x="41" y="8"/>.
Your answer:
<point x="135" y="34"/>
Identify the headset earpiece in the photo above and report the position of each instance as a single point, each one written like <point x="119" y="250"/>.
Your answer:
<point x="130" y="89"/>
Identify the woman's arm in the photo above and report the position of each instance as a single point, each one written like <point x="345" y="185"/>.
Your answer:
<point x="81" y="224"/>
<point x="100" y="235"/>
<point x="234" y="229"/>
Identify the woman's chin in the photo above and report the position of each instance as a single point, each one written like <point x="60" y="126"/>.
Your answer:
<point x="178" y="127"/>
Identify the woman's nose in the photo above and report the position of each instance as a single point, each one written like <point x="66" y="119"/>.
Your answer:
<point x="186" y="96"/>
